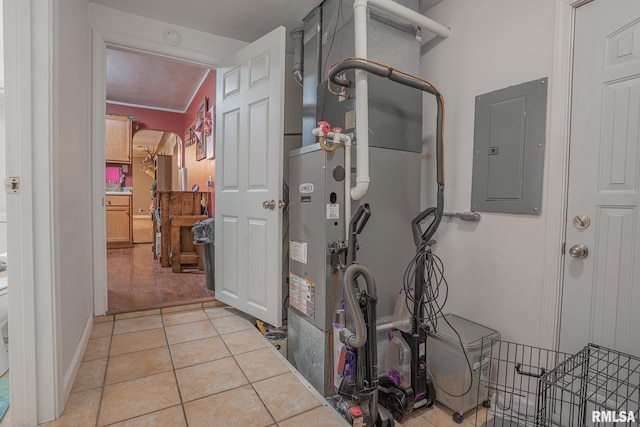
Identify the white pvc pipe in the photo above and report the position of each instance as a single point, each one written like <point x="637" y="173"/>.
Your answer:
<point x="412" y="16"/>
<point x="347" y="188"/>
<point x="362" y="89"/>
<point x="362" y="103"/>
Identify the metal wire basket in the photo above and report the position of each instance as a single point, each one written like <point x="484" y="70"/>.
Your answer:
<point x="596" y="387"/>
<point x="530" y="386"/>
<point x="516" y="392"/>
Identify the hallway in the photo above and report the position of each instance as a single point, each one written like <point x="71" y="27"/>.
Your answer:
<point x="136" y="281"/>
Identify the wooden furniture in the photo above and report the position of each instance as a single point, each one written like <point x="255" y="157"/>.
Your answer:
<point x="175" y="204"/>
<point x="163" y="172"/>
<point x="118" y="139"/>
<point x="183" y="251"/>
<point x="119" y="221"/>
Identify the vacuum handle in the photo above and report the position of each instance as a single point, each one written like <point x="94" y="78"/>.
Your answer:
<point x="418" y="235"/>
<point x="362" y="213"/>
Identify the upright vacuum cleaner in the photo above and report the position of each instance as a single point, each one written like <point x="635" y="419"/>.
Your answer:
<point x="357" y="398"/>
<point x="402" y="400"/>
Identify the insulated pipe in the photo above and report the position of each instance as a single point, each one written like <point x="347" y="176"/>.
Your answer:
<point x="403" y="79"/>
<point x="359" y="338"/>
<point x="362" y="103"/>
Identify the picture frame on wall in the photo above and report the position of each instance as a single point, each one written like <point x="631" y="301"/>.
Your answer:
<point x="210" y="134"/>
<point x="201" y="112"/>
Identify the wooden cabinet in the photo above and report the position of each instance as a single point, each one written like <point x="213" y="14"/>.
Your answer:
<point x="119" y="222"/>
<point x="118" y="139"/>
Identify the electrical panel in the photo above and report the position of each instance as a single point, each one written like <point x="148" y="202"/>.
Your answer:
<point x="508" y="150"/>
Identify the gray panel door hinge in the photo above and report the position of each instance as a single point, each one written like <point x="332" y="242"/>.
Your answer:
<point x="12" y="184"/>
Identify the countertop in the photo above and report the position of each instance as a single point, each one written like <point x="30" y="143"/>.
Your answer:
<point x="119" y="193"/>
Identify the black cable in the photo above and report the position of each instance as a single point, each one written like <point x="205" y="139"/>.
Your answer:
<point x="436" y="288"/>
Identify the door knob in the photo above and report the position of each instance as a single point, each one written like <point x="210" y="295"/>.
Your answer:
<point x="269" y="204"/>
<point x="579" y="251"/>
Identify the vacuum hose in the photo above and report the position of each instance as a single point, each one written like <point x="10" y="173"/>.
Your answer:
<point x="357" y="339"/>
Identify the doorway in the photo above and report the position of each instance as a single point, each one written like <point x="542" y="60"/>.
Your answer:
<point x="602" y="259"/>
<point x="159" y="96"/>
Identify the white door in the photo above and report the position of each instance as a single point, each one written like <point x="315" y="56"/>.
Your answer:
<point x="249" y="155"/>
<point x="601" y="294"/>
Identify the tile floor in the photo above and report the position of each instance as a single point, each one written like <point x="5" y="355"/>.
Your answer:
<point x="196" y="365"/>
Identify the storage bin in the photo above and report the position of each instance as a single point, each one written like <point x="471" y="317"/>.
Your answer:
<point x="458" y="387"/>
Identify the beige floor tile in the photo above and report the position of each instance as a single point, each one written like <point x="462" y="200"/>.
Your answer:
<point x="97" y="348"/>
<point x="90" y="375"/>
<point x="102" y="319"/>
<point x="260" y="364"/>
<point x="139" y="364"/>
<point x="190" y="331"/>
<point x="319" y="417"/>
<point x="240" y="407"/>
<point x="292" y="396"/>
<point x="170" y="417"/>
<point x="209" y="378"/>
<point x="137" y="324"/>
<point x="103" y="329"/>
<point x="185" y="307"/>
<point x="181" y="317"/>
<point x="81" y="410"/>
<point x="133" y="314"/>
<point x="137" y="341"/>
<point x="244" y="341"/>
<point x="198" y="351"/>
<point x="138" y="397"/>
<point x="219" y="312"/>
<point x="230" y="324"/>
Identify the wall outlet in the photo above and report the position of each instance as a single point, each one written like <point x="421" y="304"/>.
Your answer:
<point x="125" y="168"/>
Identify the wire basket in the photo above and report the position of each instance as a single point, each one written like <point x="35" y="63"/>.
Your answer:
<point x="517" y="395"/>
<point x="596" y="387"/>
<point x="530" y="386"/>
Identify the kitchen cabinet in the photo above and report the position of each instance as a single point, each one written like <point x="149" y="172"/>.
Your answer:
<point x="119" y="221"/>
<point x="118" y="139"/>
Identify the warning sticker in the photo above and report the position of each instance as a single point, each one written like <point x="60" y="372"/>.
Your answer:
<point x="333" y="211"/>
<point x="302" y="295"/>
<point x="298" y="251"/>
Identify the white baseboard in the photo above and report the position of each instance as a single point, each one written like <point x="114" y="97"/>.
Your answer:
<point x="70" y="374"/>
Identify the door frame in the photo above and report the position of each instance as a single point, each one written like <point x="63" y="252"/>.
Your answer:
<point x="557" y="161"/>
<point x="102" y="38"/>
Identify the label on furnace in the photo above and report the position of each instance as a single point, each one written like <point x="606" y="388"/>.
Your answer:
<point x="298" y="251"/>
<point x="302" y="295"/>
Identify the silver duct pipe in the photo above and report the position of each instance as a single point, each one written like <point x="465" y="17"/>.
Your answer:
<point x="298" y="64"/>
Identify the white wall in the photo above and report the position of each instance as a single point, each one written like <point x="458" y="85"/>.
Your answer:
<point x="72" y="160"/>
<point x="495" y="268"/>
<point x="3" y="158"/>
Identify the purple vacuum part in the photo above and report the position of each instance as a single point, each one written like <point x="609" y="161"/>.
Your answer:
<point x="349" y="372"/>
<point x="420" y="397"/>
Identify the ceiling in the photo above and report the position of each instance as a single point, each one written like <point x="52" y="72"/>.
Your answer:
<point x="134" y="78"/>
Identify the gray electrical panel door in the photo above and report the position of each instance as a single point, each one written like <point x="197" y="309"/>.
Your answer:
<point x="508" y="156"/>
